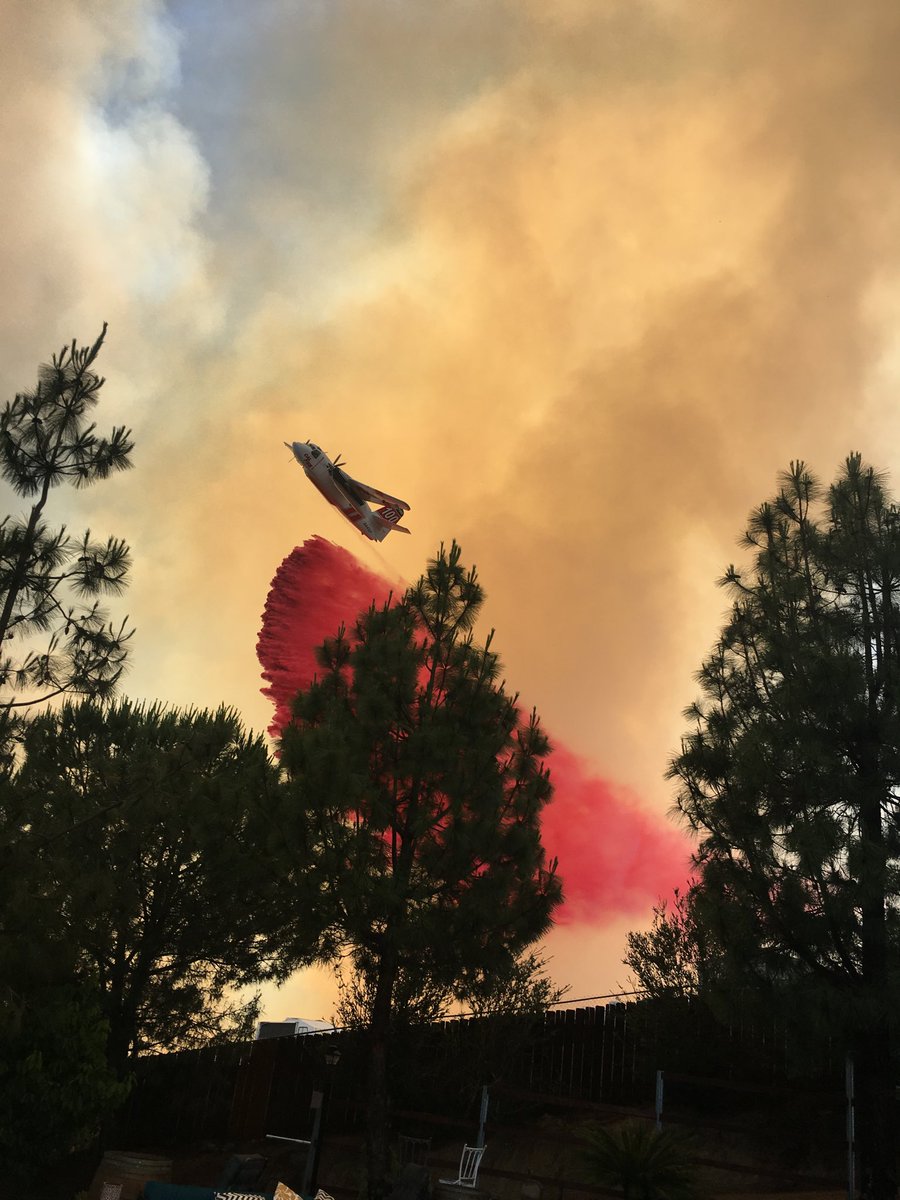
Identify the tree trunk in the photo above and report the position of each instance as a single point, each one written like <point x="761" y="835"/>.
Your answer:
<point x="876" y="1139"/>
<point x="875" y="1136"/>
<point x="378" y="1124"/>
<point x="119" y="1043"/>
<point x="17" y="579"/>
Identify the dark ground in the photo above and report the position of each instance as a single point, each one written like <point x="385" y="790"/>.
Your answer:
<point x="541" y="1157"/>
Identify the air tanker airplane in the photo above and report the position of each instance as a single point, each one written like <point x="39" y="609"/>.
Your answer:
<point x="348" y="494"/>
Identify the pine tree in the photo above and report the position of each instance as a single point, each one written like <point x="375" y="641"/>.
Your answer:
<point x="49" y="580"/>
<point x="790" y="774"/>
<point x="136" y="829"/>
<point x="52" y="1028"/>
<point x="416" y="788"/>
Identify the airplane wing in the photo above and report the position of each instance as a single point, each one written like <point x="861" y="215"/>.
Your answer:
<point x="347" y="488"/>
<point x="367" y="493"/>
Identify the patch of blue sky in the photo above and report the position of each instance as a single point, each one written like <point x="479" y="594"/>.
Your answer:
<point x="320" y="97"/>
<point x="240" y="82"/>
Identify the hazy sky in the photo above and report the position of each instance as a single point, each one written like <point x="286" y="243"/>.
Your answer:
<point x="575" y="279"/>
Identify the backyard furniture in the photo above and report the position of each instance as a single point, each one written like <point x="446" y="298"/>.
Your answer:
<point x="242" y="1173"/>
<point x="129" y="1171"/>
<point x="193" y="1191"/>
<point x="469" y="1163"/>
<point x="283" y="1192"/>
<point x="413" y="1150"/>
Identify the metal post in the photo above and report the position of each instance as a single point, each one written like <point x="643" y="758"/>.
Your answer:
<point x="318" y="1104"/>
<point x="851" y="1131"/>
<point x="312" y="1156"/>
<point x="659" y="1099"/>
<point x="483" y="1117"/>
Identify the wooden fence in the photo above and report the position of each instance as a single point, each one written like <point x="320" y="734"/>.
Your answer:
<point x="576" y="1057"/>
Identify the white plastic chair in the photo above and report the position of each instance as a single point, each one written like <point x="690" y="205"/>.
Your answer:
<point x="469" y="1163"/>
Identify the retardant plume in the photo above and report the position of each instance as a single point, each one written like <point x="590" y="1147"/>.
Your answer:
<point x="317" y="588"/>
<point x="614" y="857"/>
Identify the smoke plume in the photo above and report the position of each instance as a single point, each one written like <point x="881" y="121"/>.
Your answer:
<point x="574" y="279"/>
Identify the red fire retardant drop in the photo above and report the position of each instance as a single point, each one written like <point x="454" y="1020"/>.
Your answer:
<point x="317" y="588"/>
<point x="614" y="857"/>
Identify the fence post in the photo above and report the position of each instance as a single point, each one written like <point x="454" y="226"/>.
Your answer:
<point x="659" y="1099"/>
<point x="851" y="1130"/>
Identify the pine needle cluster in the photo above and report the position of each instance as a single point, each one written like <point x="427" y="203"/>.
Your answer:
<point x="51" y="582"/>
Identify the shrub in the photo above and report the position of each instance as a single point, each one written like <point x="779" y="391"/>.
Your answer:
<point x="646" y="1163"/>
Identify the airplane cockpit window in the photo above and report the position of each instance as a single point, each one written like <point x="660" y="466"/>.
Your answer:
<point x="315" y="451"/>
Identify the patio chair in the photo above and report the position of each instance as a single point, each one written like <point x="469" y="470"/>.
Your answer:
<point x="413" y="1150"/>
<point x="469" y="1163"/>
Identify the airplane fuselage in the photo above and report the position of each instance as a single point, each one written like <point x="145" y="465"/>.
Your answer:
<point x="338" y="489"/>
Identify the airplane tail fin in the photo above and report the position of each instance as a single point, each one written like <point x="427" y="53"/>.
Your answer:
<point x="389" y="515"/>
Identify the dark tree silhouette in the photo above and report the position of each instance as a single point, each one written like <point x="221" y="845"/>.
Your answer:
<point x="790" y="774"/>
<point x="139" y="827"/>
<point x="413" y="813"/>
